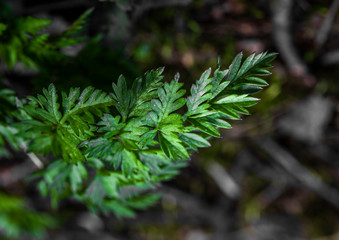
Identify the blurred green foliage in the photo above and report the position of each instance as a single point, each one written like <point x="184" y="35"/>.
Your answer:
<point x="22" y="40"/>
<point x="17" y="219"/>
<point x="7" y="131"/>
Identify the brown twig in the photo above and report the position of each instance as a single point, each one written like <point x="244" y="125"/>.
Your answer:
<point x="224" y="181"/>
<point x="218" y="216"/>
<point x="325" y="29"/>
<point x="299" y="172"/>
<point x="33" y="157"/>
<point x="281" y="19"/>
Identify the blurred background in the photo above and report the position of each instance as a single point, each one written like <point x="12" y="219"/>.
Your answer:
<point x="274" y="175"/>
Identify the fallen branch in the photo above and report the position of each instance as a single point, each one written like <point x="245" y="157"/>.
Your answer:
<point x="330" y="57"/>
<point x="218" y="216"/>
<point x="299" y="172"/>
<point x="325" y="29"/>
<point x="33" y="157"/>
<point x="282" y="36"/>
<point x="224" y="181"/>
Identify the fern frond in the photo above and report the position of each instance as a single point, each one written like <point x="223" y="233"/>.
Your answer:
<point x="246" y="78"/>
<point x="137" y="101"/>
<point x="59" y="178"/>
<point x="80" y="109"/>
<point x="194" y="141"/>
<point x="168" y="123"/>
<point x="122" y="96"/>
<point x="170" y="99"/>
<point x="225" y="96"/>
<point x="200" y="95"/>
<point x="25" y="43"/>
<point x="126" y="208"/>
<point x="143" y="91"/>
<point x="143" y="140"/>
<point x="31" y="25"/>
<point x="234" y="104"/>
<point x="68" y="37"/>
<point x="59" y="132"/>
<point x="78" y="25"/>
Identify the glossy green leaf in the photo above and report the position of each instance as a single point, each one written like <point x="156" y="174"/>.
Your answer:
<point x="194" y="141"/>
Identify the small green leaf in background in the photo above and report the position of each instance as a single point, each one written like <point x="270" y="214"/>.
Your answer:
<point x="18" y="220"/>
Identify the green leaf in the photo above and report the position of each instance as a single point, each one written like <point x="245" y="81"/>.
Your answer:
<point x="194" y="141"/>
<point x="199" y="94"/>
<point x="3" y="28"/>
<point x="31" y="25"/>
<point x="17" y="220"/>
<point x="120" y="210"/>
<point x="78" y="25"/>
<point x="69" y="37"/>
<point x="245" y="79"/>
<point x="62" y="134"/>
<point x="116" y="157"/>
<point x="148" y="137"/>
<point x="244" y="100"/>
<point x="154" y="160"/>
<point x="67" y="142"/>
<point x="234" y="67"/>
<point x="256" y="81"/>
<point x="100" y="147"/>
<point x="60" y="178"/>
<point x="110" y="125"/>
<point x="143" y="90"/>
<point x="217" y="83"/>
<point x="129" y="162"/>
<point x="122" y="96"/>
<point x="89" y="103"/>
<point x="49" y="110"/>
<point x="104" y="184"/>
<point x="170" y="96"/>
<point x="132" y="132"/>
<point x="77" y="174"/>
<point x="172" y="146"/>
<point x="9" y="133"/>
<point x="143" y="201"/>
<point x="205" y="127"/>
<point x="232" y="105"/>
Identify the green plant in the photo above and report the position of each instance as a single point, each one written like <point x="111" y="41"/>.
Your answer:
<point x="17" y="218"/>
<point x="111" y="148"/>
<point x="7" y="116"/>
<point x="22" y="40"/>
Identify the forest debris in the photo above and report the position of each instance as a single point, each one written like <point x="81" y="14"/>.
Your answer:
<point x="332" y="237"/>
<point x="331" y="57"/>
<point x="277" y="227"/>
<point x="325" y="29"/>
<point x="326" y="153"/>
<point x="220" y="216"/>
<point x="250" y="45"/>
<point x="271" y="226"/>
<point x="197" y="235"/>
<point x="299" y="172"/>
<point x="16" y="173"/>
<point x="308" y="119"/>
<point x="282" y="36"/>
<point x="90" y="222"/>
<point x="224" y="181"/>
